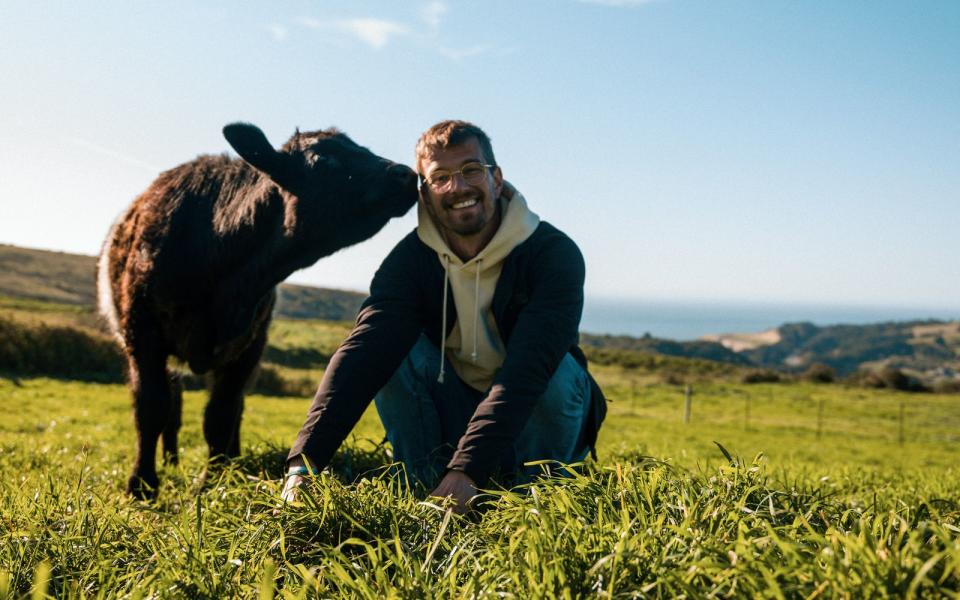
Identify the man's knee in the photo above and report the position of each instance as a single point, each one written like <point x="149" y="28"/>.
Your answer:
<point x="555" y="430"/>
<point x="567" y="395"/>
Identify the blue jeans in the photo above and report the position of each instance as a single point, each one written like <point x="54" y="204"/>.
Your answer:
<point x="425" y="419"/>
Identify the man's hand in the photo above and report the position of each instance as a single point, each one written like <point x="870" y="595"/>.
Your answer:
<point x="291" y="489"/>
<point x="459" y="486"/>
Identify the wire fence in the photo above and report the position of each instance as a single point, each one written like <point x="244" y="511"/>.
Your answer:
<point x="820" y="410"/>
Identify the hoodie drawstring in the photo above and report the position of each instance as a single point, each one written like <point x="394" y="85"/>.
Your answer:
<point x="443" y="330"/>
<point x="476" y="313"/>
<point x="443" y="319"/>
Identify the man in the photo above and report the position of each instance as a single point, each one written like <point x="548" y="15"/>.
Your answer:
<point x="468" y="339"/>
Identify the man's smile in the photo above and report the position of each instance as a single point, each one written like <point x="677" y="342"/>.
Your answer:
<point x="464" y="204"/>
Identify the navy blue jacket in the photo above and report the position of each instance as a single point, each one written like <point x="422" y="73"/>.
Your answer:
<point x="536" y="305"/>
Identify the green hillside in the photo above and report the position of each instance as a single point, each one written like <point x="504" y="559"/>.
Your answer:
<point x="696" y="349"/>
<point x="930" y="348"/>
<point x="927" y="351"/>
<point x="49" y="276"/>
<point x="71" y="279"/>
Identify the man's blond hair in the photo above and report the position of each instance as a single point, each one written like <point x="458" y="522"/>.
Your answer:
<point x="453" y="133"/>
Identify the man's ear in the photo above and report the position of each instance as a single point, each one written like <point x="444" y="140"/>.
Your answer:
<point x="252" y="146"/>
<point x="497" y="182"/>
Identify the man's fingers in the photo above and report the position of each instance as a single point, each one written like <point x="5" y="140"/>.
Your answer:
<point x="290" y="488"/>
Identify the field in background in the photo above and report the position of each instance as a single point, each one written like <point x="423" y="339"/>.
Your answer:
<point x="818" y="490"/>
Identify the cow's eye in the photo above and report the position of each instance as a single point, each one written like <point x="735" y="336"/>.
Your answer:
<point x="322" y="160"/>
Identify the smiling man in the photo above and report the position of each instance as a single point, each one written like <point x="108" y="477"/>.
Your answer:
<point x="468" y="340"/>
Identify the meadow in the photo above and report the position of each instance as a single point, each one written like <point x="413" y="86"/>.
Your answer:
<point x="785" y="490"/>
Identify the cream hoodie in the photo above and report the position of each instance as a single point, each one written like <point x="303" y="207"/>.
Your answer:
<point x="474" y="347"/>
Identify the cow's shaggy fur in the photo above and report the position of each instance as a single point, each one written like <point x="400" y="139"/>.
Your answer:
<point x="190" y="268"/>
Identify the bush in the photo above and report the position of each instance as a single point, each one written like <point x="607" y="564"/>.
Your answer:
<point x="59" y="351"/>
<point x="672" y="379"/>
<point x="819" y="373"/>
<point x="947" y="386"/>
<point x="270" y="382"/>
<point x="761" y="376"/>
<point x="28" y="348"/>
<point x="890" y="378"/>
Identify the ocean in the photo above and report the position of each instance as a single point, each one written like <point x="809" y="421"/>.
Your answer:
<point x="689" y="320"/>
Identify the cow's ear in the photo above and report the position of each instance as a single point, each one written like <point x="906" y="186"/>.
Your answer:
<point x="252" y="146"/>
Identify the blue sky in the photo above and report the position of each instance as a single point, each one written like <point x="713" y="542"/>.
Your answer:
<point x="767" y="151"/>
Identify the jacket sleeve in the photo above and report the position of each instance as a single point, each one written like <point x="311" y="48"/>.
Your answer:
<point x="546" y="329"/>
<point x="388" y="325"/>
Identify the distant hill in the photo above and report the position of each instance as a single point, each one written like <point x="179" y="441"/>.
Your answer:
<point x="705" y="350"/>
<point x="47" y="276"/>
<point x="70" y="279"/>
<point x="305" y="302"/>
<point x="926" y="347"/>
<point x="930" y="349"/>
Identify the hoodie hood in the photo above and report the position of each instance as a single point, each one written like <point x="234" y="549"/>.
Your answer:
<point x="474" y="347"/>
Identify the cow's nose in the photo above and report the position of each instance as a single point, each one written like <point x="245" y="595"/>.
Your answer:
<point x="402" y="171"/>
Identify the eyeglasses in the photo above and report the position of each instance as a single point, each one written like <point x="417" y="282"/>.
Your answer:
<point x="441" y="180"/>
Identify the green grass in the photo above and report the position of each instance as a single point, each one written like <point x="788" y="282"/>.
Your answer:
<point x="663" y="513"/>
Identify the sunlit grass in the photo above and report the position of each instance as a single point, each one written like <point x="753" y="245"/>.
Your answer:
<point x="664" y="512"/>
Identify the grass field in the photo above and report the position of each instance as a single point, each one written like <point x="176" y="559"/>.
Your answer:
<point x="664" y="513"/>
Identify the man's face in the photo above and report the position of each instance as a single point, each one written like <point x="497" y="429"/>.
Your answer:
<point x="464" y="209"/>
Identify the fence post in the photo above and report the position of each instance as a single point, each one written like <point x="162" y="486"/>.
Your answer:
<point x="634" y="395"/>
<point x="687" y="403"/>
<point x="900" y="437"/>
<point x="820" y="418"/>
<point x="746" y="415"/>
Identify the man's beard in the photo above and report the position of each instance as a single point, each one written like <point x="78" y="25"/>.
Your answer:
<point x="448" y="222"/>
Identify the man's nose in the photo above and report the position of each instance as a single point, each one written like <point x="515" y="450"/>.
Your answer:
<point x="457" y="181"/>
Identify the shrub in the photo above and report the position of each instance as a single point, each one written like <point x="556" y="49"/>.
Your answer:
<point x="819" y="373"/>
<point x="947" y="386"/>
<point x="28" y="348"/>
<point x="890" y="378"/>
<point x="761" y="376"/>
<point x="59" y="351"/>
<point x="672" y="379"/>
<point x="270" y="382"/>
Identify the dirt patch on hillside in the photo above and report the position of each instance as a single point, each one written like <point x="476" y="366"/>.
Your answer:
<point x="738" y="342"/>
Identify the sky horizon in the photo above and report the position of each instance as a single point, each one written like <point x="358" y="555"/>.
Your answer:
<point x="775" y="152"/>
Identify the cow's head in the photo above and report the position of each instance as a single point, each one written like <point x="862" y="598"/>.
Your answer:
<point x="337" y="192"/>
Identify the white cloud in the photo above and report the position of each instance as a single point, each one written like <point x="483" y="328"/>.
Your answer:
<point x="375" y="32"/>
<point x="279" y="32"/>
<point x="433" y="12"/>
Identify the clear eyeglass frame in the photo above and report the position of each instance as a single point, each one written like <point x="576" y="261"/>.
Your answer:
<point x="441" y="179"/>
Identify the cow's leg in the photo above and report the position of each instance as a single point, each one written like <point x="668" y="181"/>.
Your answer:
<point x="221" y="420"/>
<point x="151" y="410"/>
<point x="172" y="427"/>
